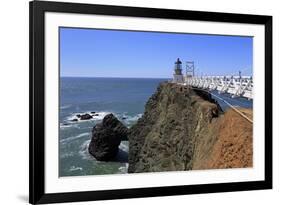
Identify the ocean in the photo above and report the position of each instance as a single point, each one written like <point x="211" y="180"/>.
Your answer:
<point x="124" y="97"/>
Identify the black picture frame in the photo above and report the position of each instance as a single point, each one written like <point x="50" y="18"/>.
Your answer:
<point x="37" y="10"/>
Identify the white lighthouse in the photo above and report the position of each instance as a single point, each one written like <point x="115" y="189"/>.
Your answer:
<point x="178" y="77"/>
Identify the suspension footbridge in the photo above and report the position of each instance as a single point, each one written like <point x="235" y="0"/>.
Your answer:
<point x="234" y="85"/>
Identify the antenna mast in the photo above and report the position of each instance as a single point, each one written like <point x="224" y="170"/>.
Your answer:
<point x="190" y="68"/>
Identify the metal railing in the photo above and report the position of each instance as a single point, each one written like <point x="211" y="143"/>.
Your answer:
<point x="236" y="86"/>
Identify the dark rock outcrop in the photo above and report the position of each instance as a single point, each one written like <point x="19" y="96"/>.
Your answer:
<point x="85" y="116"/>
<point x="106" y="138"/>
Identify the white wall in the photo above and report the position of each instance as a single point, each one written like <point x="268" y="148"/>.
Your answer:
<point x="14" y="100"/>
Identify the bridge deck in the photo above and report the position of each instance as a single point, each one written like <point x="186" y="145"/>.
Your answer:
<point x="236" y="86"/>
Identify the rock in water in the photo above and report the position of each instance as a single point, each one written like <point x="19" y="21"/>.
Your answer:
<point x="85" y="117"/>
<point x="106" y="138"/>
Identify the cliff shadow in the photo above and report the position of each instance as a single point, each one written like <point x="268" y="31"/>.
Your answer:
<point x="121" y="157"/>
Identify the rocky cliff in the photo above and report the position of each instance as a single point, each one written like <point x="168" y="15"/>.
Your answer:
<point x="184" y="129"/>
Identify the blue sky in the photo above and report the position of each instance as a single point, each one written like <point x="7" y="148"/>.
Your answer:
<point x="108" y="53"/>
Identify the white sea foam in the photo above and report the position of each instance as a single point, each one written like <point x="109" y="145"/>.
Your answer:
<point x="65" y="107"/>
<point x="84" y="151"/>
<point x="73" y="168"/>
<point x="124" y="146"/>
<point x="68" y="125"/>
<point x="124" y="169"/>
<point x="74" y="137"/>
<point x="129" y="120"/>
<point x="99" y="117"/>
<point x="66" y="155"/>
<point x="134" y="118"/>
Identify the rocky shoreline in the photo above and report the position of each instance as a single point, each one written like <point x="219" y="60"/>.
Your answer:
<point x="181" y="129"/>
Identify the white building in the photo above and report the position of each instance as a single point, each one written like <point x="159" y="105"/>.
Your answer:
<point x="178" y="76"/>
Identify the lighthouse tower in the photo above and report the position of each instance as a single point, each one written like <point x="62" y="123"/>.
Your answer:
<point x="178" y="77"/>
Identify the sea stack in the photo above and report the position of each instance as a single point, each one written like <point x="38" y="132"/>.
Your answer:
<point x="106" y="138"/>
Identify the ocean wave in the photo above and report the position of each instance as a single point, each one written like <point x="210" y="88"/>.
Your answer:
<point x="123" y="169"/>
<point x="65" y="107"/>
<point x="74" y="137"/>
<point x="134" y="118"/>
<point x="68" y="125"/>
<point x="97" y="116"/>
<point x="84" y="153"/>
<point x="66" y="155"/>
<point x="124" y="146"/>
<point x="73" y="168"/>
<point x="129" y="120"/>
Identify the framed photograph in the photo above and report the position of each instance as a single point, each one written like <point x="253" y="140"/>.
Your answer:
<point x="140" y="102"/>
